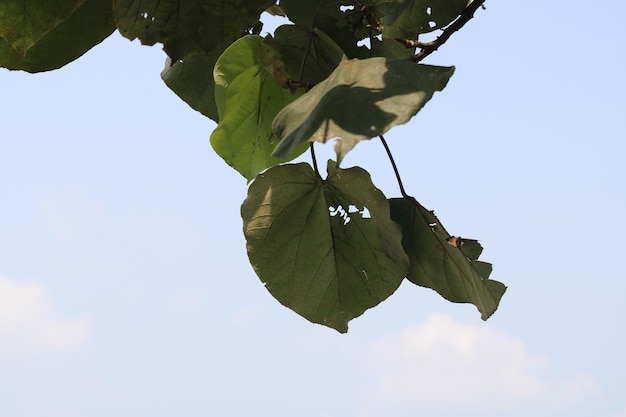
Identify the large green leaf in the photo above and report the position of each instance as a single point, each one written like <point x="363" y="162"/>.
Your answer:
<point x="299" y="45"/>
<point x="186" y="27"/>
<point x="70" y="38"/>
<point x="406" y="19"/>
<point x="24" y="22"/>
<point x="326" y="249"/>
<point x="248" y="95"/>
<point x="192" y="80"/>
<point x="361" y="99"/>
<point x="445" y="263"/>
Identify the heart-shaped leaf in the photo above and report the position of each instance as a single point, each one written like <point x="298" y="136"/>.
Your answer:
<point x="326" y="249"/>
<point x="248" y="97"/>
<point x="445" y="263"/>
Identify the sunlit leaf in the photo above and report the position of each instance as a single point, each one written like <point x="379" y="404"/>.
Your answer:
<point x="70" y="38"/>
<point x="326" y="249"/>
<point x="445" y="263"/>
<point x="406" y="19"/>
<point x="185" y="27"/>
<point x="361" y="99"/>
<point x="248" y="97"/>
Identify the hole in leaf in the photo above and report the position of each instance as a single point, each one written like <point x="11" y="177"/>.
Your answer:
<point x="432" y="24"/>
<point x="429" y="11"/>
<point x="346" y="8"/>
<point x="344" y="214"/>
<point x="364" y="42"/>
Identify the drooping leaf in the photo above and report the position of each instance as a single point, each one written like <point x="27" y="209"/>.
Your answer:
<point x="406" y="19"/>
<point x="322" y="53"/>
<point x="361" y="99"/>
<point x="192" y="80"/>
<point x="86" y="27"/>
<point x="24" y="23"/>
<point x="445" y="263"/>
<point x="248" y="95"/>
<point x="186" y="27"/>
<point x="327" y="249"/>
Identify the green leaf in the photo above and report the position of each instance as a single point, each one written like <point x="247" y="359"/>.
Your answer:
<point x="327" y="249"/>
<point x="85" y="27"/>
<point x="186" y="27"/>
<point x="24" y="23"/>
<point x="406" y="19"/>
<point x="361" y="99"/>
<point x="346" y="28"/>
<point x="445" y="263"/>
<point x="248" y="97"/>
<point x="322" y="53"/>
<point x="192" y="80"/>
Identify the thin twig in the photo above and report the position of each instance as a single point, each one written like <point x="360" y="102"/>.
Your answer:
<point x="395" y="168"/>
<point x="428" y="48"/>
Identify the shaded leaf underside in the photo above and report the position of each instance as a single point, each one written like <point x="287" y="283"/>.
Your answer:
<point x="444" y="263"/>
<point x="68" y="39"/>
<point x="186" y="27"/>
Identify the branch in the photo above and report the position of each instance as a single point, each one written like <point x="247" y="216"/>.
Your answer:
<point x="428" y="48"/>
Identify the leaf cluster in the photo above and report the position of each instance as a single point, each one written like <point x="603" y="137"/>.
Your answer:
<point x="338" y="70"/>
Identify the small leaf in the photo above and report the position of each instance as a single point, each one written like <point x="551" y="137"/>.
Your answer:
<point x="361" y="99"/>
<point x="345" y="27"/>
<point x="192" y="80"/>
<point x="85" y="27"/>
<point x="445" y="263"/>
<point x="323" y="54"/>
<point x="187" y="27"/>
<point x="406" y="19"/>
<point x="248" y="97"/>
<point x="327" y="249"/>
<point x="24" y="23"/>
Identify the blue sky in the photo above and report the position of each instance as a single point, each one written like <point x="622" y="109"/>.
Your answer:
<point x="125" y="288"/>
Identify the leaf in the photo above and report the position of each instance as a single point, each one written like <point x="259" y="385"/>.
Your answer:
<point x="192" y="80"/>
<point x="322" y="53"/>
<point x="345" y="27"/>
<point x="327" y="249"/>
<point x="187" y="27"/>
<point x="360" y="100"/>
<point x="406" y="19"/>
<point x="70" y="38"/>
<point x="24" y="23"/>
<point x="248" y="97"/>
<point x="445" y="263"/>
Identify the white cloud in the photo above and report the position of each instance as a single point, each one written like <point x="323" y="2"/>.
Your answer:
<point x="29" y="322"/>
<point x="446" y="366"/>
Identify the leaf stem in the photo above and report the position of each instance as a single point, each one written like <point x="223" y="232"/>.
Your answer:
<point x="317" y="171"/>
<point x="395" y="168"/>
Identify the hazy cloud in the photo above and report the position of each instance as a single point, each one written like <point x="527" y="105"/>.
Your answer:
<point x="30" y="323"/>
<point x="446" y="366"/>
